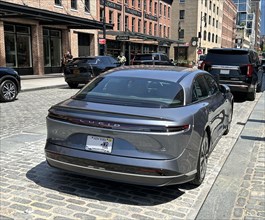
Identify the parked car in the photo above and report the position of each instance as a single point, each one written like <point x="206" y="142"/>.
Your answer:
<point x="201" y="59"/>
<point x="10" y="84"/>
<point x="238" y="68"/>
<point x="152" y="59"/>
<point x="82" y="69"/>
<point x="147" y="125"/>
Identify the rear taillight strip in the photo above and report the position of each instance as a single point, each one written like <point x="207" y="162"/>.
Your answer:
<point x="119" y="126"/>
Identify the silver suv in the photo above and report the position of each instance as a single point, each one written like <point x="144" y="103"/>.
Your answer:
<point x="240" y="69"/>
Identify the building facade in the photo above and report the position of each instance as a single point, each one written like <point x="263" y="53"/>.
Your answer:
<point x="140" y="26"/>
<point x="229" y="24"/>
<point x="34" y="35"/>
<point x="197" y="25"/>
<point x="256" y="9"/>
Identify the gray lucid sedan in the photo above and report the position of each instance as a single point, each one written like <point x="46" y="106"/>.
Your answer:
<point x="146" y="125"/>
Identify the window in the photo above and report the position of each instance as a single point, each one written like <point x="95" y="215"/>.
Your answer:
<point x="74" y="4"/>
<point x="216" y="38"/>
<point x="111" y="17"/>
<point x="133" y="3"/>
<point x="181" y="34"/>
<point x="168" y="32"/>
<point x="209" y="19"/>
<point x="18" y="46"/>
<point x="181" y="1"/>
<point x="139" y="4"/>
<point x="144" y="5"/>
<point x="139" y="25"/>
<point x="155" y="29"/>
<point x="169" y="14"/>
<point x="205" y="4"/>
<point x="165" y="31"/>
<point x="213" y="7"/>
<point x="119" y="22"/>
<point x="213" y="21"/>
<point x="101" y="14"/>
<point x="145" y="24"/>
<point x="213" y="38"/>
<point x="199" y="89"/>
<point x="58" y="2"/>
<point x="150" y="6"/>
<point x="133" y="24"/>
<point x="165" y="10"/>
<point x="216" y="24"/>
<point x="210" y="5"/>
<point x="126" y="22"/>
<point x="155" y="8"/>
<point x="160" y="30"/>
<point x="181" y="14"/>
<point x="160" y="8"/>
<point x="87" y="6"/>
<point x="150" y="28"/>
<point x="204" y="35"/>
<point x="212" y="85"/>
<point x="209" y="36"/>
<point x="217" y="10"/>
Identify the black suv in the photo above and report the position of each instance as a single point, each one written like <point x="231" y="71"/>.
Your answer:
<point x="152" y="59"/>
<point x="240" y="69"/>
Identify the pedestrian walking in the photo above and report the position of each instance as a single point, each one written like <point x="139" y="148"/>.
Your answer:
<point x="122" y="59"/>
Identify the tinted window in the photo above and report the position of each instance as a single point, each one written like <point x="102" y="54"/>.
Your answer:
<point x="133" y="91"/>
<point x="226" y="57"/>
<point x="143" y="57"/>
<point x="199" y="89"/>
<point x="82" y="60"/>
<point x="164" y="58"/>
<point x="212" y="85"/>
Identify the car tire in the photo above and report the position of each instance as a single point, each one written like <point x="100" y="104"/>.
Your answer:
<point x="72" y="85"/>
<point x="8" y="91"/>
<point x="202" y="161"/>
<point x="251" y="95"/>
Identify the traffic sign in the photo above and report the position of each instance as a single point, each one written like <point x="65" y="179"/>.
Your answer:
<point x="199" y="51"/>
<point x="102" y="41"/>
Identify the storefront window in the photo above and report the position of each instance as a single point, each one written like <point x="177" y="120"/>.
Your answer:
<point x="52" y="48"/>
<point x="18" y="46"/>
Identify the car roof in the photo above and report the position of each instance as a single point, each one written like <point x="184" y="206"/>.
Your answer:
<point x="229" y="49"/>
<point x="167" y="73"/>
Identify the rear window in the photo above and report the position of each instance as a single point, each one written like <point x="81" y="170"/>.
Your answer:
<point x="143" y="57"/>
<point x="131" y="91"/>
<point x="86" y="60"/>
<point x="223" y="57"/>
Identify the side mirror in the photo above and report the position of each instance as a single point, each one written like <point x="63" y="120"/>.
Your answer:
<point x="224" y="88"/>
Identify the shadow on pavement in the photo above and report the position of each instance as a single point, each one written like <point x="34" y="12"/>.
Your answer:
<point x="82" y="186"/>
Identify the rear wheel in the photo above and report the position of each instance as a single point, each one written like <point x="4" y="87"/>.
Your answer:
<point x="251" y="95"/>
<point x="8" y="91"/>
<point x="72" y="85"/>
<point x="202" y="161"/>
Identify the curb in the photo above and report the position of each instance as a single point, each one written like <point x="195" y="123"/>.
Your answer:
<point x="43" y="87"/>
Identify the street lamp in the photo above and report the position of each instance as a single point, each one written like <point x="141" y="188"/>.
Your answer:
<point x="203" y="18"/>
<point x="104" y="28"/>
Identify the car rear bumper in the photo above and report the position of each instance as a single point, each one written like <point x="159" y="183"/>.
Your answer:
<point x="130" y="170"/>
<point x="239" y="87"/>
<point x="84" y="78"/>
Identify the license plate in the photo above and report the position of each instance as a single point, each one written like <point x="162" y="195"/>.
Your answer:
<point x="224" y="71"/>
<point x="76" y="72"/>
<point x="99" y="144"/>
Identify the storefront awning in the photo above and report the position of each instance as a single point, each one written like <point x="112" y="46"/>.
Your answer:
<point x="134" y="35"/>
<point x="45" y="17"/>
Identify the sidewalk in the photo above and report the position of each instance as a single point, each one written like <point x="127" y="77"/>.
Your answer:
<point x="239" y="190"/>
<point x="35" y="82"/>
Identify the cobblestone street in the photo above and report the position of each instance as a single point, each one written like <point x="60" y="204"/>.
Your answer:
<point x="30" y="189"/>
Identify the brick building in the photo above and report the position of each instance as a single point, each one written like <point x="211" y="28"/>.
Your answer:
<point x="140" y="26"/>
<point x="229" y="24"/>
<point x="34" y="35"/>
